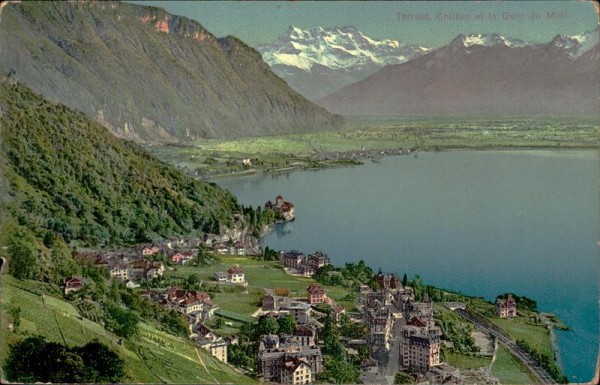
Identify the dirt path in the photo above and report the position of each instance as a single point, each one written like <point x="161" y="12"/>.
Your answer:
<point x="204" y="366"/>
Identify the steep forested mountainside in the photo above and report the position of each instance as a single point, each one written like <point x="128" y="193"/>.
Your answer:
<point x="65" y="176"/>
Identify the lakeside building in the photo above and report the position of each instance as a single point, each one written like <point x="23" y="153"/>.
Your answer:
<point x="387" y="281"/>
<point x="292" y="259"/>
<point x="506" y="308"/>
<point x="420" y="346"/>
<point x="300" y="264"/>
<point x="285" y="209"/>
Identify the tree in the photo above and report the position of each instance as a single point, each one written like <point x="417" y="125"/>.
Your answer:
<point x="403" y="378"/>
<point x="22" y="363"/>
<point x="63" y="266"/>
<point x="104" y="365"/>
<point x="36" y="360"/>
<point x="331" y="338"/>
<point x="219" y="323"/>
<point x="267" y="325"/>
<point x="191" y="281"/>
<point x="355" y="330"/>
<point x="23" y="256"/>
<point x="68" y="367"/>
<point x="173" y="321"/>
<point x="339" y="371"/>
<point x="121" y="321"/>
<point x="417" y="286"/>
<point x="405" y="280"/>
<point x="286" y="324"/>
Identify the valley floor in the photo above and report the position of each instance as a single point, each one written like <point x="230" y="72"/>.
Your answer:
<point x="364" y="139"/>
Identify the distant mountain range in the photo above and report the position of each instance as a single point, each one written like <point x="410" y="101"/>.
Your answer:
<point x="318" y="61"/>
<point x="148" y="75"/>
<point x="483" y="75"/>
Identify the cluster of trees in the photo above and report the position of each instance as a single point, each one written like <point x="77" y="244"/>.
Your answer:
<point x="354" y="330"/>
<point x="403" y="378"/>
<point x="259" y="218"/>
<point x="23" y="255"/>
<point x="338" y="366"/>
<point x="37" y="360"/>
<point x="351" y="275"/>
<point x="269" y="254"/>
<point x="545" y="361"/>
<point x="459" y="333"/>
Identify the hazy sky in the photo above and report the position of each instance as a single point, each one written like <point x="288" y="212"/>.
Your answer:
<point x="260" y="22"/>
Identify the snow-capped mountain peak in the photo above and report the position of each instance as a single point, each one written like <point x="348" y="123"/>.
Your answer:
<point x="576" y="45"/>
<point x="487" y="40"/>
<point x="335" y="48"/>
<point x="573" y="46"/>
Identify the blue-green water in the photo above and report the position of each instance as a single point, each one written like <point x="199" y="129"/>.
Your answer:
<point x="482" y="223"/>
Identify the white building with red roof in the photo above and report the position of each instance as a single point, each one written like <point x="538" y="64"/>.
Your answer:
<point x="236" y="274"/>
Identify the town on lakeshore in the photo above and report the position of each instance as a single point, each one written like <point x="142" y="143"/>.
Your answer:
<point x="383" y="330"/>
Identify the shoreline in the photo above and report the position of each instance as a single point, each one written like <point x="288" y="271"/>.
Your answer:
<point x="346" y="162"/>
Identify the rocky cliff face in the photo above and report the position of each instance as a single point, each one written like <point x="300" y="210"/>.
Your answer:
<point x="148" y="75"/>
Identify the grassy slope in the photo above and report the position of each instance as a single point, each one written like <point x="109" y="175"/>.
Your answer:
<point x="240" y="303"/>
<point x="462" y="361"/>
<point x="510" y="370"/>
<point x="517" y="328"/>
<point x="153" y="357"/>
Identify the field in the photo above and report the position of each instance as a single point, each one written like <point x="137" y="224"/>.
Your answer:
<point x="239" y="303"/>
<point x="326" y="149"/>
<point x="510" y="370"/>
<point x="462" y="361"/>
<point x="152" y="357"/>
<point x="518" y="328"/>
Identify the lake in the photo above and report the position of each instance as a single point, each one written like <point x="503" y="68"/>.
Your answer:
<point x="478" y="222"/>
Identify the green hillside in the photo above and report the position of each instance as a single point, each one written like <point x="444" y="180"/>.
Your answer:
<point x="148" y="75"/>
<point x="69" y="178"/>
<point x="152" y="357"/>
<point x="66" y="182"/>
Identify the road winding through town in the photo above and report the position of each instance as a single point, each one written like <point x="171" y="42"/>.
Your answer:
<point x="510" y="345"/>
